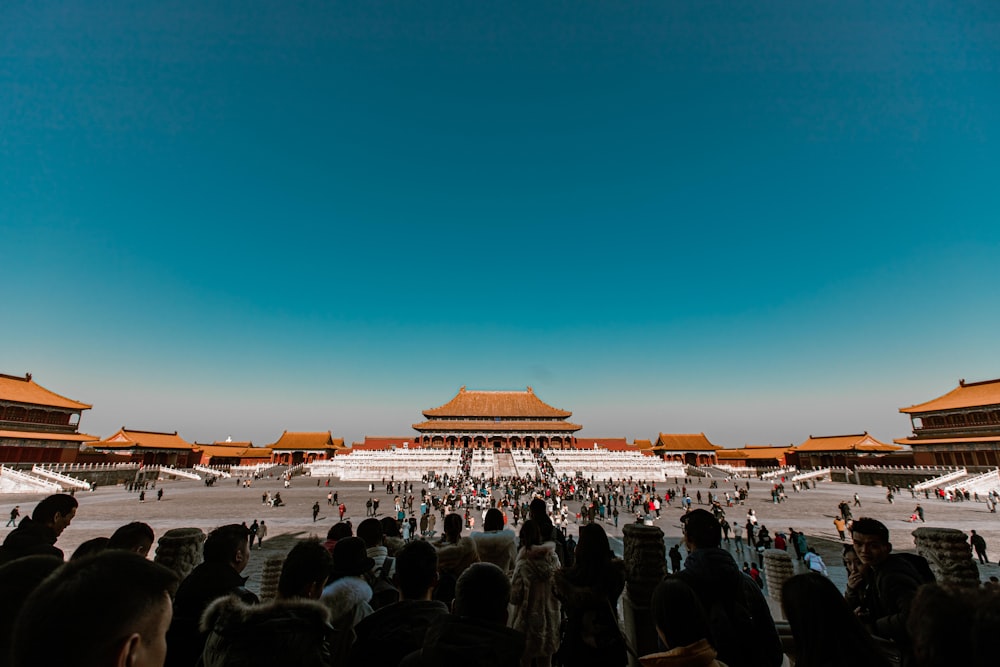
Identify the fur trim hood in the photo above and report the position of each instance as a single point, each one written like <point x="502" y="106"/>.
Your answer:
<point x="538" y="563"/>
<point x="454" y="558"/>
<point x="296" y="630"/>
<point x="498" y="547"/>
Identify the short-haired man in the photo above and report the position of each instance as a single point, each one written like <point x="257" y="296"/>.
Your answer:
<point x="226" y="552"/>
<point x="406" y="621"/>
<point x="124" y="609"/>
<point x="477" y="626"/>
<point x="742" y="626"/>
<point x="38" y="533"/>
<point x="136" y="536"/>
<point x="886" y="583"/>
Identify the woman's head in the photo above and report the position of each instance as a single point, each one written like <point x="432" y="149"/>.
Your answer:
<point x="530" y="535"/>
<point x="822" y="624"/>
<point x="593" y="549"/>
<point x="453" y="526"/>
<point x="851" y="560"/>
<point x="493" y="520"/>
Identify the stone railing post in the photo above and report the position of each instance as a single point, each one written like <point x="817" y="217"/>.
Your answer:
<point x="645" y="557"/>
<point x="179" y="549"/>
<point x="949" y="554"/>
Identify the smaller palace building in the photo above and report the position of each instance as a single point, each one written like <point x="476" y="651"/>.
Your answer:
<point x="149" y="448"/>
<point x="961" y="428"/>
<point x="38" y="425"/>
<point x="690" y="448"/>
<point x="497" y="419"/>
<point x="841" y="451"/>
<point x="293" y="448"/>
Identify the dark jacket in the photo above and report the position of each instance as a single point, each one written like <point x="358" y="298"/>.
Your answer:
<point x="738" y="614"/>
<point x="206" y="583"/>
<point x="592" y="633"/>
<point x="889" y="589"/>
<point x="293" y="632"/>
<point x="388" y="635"/>
<point x="30" y="538"/>
<point x="456" y="640"/>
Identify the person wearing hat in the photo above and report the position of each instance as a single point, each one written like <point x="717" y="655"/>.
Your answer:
<point x="348" y="595"/>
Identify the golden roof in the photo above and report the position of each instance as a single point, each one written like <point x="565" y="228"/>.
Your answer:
<point x="307" y="441"/>
<point x="127" y="438"/>
<point x="965" y="395"/>
<point x="24" y="390"/>
<point x="496" y="404"/>
<point x="684" y="442"/>
<point x="860" y="442"/>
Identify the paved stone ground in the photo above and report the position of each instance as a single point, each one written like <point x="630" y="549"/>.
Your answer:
<point x="187" y="503"/>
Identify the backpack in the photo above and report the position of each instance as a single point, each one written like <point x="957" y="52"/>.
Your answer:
<point x="383" y="592"/>
<point x="920" y="564"/>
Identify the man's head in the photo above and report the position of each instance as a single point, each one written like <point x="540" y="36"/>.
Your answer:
<point x="483" y="592"/>
<point x="390" y="526"/>
<point x="416" y="570"/>
<point x="370" y="530"/>
<point x="136" y="536"/>
<point x="701" y="530"/>
<point x="125" y="612"/>
<point x="871" y="541"/>
<point x="228" y="545"/>
<point x="56" y="512"/>
<point x="305" y="571"/>
<point x="493" y="520"/>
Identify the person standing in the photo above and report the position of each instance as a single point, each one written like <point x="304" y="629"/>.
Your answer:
<point x="261" y="533"/>
<point x="979" y="544"/>
<point x="329" y="498"/>
<point x="341" y="509"/>
<point x="254" y="527"/>
<point x="857" y="500"/>
<point x="14" y="513"/>
<point x="315" y="511"/>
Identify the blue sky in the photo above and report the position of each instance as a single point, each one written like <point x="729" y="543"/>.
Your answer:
<point x="757" y="220"/>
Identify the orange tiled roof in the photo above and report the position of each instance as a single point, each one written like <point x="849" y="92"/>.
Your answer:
<point x="234" y="452"/>
<point x="764" y="451"/>
<point x="230" y="443"/>
<point x="965" y="395"/>
<point x="129" y="438"/>
<point x="489" y="425"/>
<point x="730" y="454"/>
<point x="684" y="442"/>
<point x="860" y="442"/>
<point x="24" y="390"/>
<point x="38" y="435"/>
<point x="947" y="441"/>
<point x="643" y="444"/>
<point x="307" y="441"/>
<point x="496" y="404"/>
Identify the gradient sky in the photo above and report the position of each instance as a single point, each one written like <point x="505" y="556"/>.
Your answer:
<point x="760" y="220"/>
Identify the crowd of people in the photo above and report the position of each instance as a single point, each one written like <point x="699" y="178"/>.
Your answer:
<point x="519" y="593"/>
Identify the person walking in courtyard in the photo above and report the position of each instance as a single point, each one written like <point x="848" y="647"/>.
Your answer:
<point x="14" y="514"/>
<point x="979" y="544"/>
<point x="857" y="500"/>
<point x="841" y="526"/>
<point x="919" y="511"/>
<point x="261" y="533"/>
<point x="159" y="494"/>
<point x="315" y="511"/>
<point x="342" y="509"/>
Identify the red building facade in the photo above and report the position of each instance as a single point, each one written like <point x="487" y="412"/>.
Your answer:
<point x="38" y="425"/>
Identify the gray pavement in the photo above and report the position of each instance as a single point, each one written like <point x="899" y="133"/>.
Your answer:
<point x="191" y="504"/>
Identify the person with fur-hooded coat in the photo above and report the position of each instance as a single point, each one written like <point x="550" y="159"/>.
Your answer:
<point x="496" y="545"/>
<point x="536" y="609"/>
<point x="348" y="596"/>
<point x="284" y="632"/>
<point x="455" y="554"/>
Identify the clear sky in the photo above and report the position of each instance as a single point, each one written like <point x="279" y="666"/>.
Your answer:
<point x="760" y="220"/>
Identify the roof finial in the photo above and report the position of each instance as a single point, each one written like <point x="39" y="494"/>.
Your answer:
<point x="530" y="390"/>
<point x="27" y="377"/>
<point x="961" y="383"/>
<point x="461" y="389"/>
